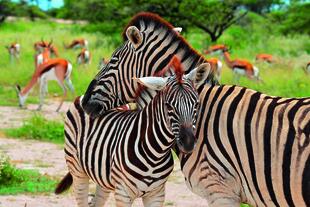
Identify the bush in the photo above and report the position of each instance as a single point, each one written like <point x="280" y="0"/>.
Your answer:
<point x="14" y="180"/>
<point x="7" y="171"/>
<point x="39" y="128"/>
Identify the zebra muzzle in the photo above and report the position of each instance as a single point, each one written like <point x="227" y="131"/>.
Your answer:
<point x="187" y="139"/>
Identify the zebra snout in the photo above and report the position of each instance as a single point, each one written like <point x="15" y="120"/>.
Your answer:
<point x="187" y="140"/>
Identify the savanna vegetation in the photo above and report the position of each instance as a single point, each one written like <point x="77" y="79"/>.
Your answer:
<point x="14" y="181"/>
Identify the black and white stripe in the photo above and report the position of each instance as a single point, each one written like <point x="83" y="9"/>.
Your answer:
<point x="129" y="152"/>
<point x="149" y="45"/>
<point x="252" y="148"/>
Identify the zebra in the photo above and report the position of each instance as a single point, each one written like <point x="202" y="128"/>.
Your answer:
<point x="251" y="147"/>
<point x="150" y="43"/>
<point x="129" y="152"/>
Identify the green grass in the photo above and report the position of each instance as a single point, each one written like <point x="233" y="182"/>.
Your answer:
<point x="15" y="181"/>
<point x="285" y="78"/>
<point x="51" y="131"/>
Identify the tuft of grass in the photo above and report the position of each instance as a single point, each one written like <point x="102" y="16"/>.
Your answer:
<point x="39" y="128"/>
<point x="14" y="181"/>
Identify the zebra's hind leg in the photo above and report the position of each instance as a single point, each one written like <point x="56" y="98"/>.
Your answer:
<point x="100" y="198"/>
<point x="156" y="198"/>
<point x="122" y="199"/>
<point x="81" y="188"/>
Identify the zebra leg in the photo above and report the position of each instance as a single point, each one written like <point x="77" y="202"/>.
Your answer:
<point x="156" y="198"/>
<point x="81" y="188"/>
<point x="122" y="199"/>
<point x="101" y="197"/>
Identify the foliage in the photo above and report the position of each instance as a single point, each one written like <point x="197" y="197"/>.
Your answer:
<point x="297" y="19"/>
<point x="39" y="128"/>
<point x="14" y="181"/>
<point x="20" y="9"/>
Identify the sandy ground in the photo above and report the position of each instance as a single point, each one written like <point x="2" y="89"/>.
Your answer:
<point x="31" y="154"/>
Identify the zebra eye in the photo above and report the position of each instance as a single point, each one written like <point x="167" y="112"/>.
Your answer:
<point x="169" y="106"/>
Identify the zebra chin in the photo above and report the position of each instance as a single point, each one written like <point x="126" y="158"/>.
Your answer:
<point x="187" y="140"/>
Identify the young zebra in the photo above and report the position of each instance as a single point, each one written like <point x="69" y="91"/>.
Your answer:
<point x="129" y="152"/>
<point x="252" y="148"/>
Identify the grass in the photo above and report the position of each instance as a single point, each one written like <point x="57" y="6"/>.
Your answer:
<point x="51" y="131"/>
<point x="285" y="78"/>
<point x="15" y="181"/>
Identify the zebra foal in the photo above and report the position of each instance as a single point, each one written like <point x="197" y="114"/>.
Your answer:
<point x="130" y="152"/>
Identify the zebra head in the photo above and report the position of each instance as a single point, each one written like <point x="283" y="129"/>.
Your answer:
<point x="149" y="44"/>
<point x="180" y="103"/>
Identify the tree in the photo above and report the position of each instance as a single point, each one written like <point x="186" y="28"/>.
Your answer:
<point x="212" y="16"/>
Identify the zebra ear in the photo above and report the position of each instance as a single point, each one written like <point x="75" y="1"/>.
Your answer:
<point x="134" y="36"/>
<point x="199" y="74"/>
<point x="155" y="83"/>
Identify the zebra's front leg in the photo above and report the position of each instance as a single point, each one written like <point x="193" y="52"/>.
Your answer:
<point x="122" y="199"/>
<point x="156" y="198"/>
<point x="100" y="198"/>
<point x="81" y="188"/>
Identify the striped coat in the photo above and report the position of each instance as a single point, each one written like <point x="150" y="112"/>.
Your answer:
<point x="240" y="155"/>
<point x="129" y="152"/>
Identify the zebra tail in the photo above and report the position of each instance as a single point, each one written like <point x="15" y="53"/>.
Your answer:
<point x="64" y="184"/>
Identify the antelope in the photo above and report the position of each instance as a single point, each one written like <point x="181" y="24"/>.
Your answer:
<point x="216" y="65"/>
<point x="40" y="45"/>
<point x="307" y="70"/>
<point x="54" y="69"/>
<point x="241" y="67"/>
<point x="14" y="51"/>
<point x="215" y="50"/>
<point x="84" y="57"/>
<point x="102" y="63"/>
<point x="43" y="56"/>
<point x="77" y="43"/>
<point x="265" y="58"/>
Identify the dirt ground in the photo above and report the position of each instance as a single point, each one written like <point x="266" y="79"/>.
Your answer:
<point x="31" y="154"/>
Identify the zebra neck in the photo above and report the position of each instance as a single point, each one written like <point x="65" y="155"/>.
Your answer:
<point x="158" y="135"/>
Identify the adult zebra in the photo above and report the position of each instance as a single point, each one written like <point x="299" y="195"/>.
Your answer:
<point x="252" y="148"/>
<point x="130" y="152"/>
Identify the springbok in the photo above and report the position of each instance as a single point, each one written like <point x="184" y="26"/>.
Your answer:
<point x="265" y="58"/>
<point x="102" y="63"/>
<point x="14" y="50"/>
<point x="77" y="43"/>
<point x="84" y="57"/>
<point x="40" y="45"/>
<point x="54" y="69"/>
<point x="241" y="67"/>
<point x="215" y="50"/>
<point x="307" y="70"/>
<point x="216" y="65"/>
<point x="44" y="55"/>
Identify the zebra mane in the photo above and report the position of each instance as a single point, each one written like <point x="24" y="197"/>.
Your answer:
<point x="174" y="65"/>
<point x="143" y="20"/>
<point x="148" y="18"/>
